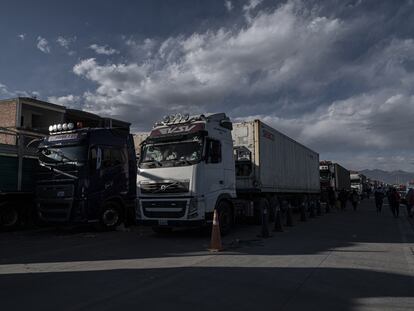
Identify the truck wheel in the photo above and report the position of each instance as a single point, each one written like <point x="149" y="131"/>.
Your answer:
<point x="225" y="216"/>
<point x="111" y="216"/>
<point x="9" y="217"/>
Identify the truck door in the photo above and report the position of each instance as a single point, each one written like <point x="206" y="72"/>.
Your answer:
<point x="108" y="177"/>
<point x="94" y="182"/>
<point x="114" y="173"/>
<point x="214" y="181"/>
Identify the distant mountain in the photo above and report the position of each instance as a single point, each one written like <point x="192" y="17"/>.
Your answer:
<point x="394" y="177"/>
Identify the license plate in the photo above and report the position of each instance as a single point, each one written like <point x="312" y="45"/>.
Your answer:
<point x="162" y="222"/>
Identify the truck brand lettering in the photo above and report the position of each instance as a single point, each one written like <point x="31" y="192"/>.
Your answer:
<point x="177" y="129"/>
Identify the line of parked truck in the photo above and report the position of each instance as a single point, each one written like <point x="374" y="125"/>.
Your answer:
<point x="188" y="167"/>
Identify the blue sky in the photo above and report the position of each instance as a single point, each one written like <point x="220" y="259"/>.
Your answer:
<point x="336" y="75"/>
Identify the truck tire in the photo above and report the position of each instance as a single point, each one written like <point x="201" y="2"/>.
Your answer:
<point x="9" y="217"/>
<point x="111" y="216"/>
<point x="225" y="215"/>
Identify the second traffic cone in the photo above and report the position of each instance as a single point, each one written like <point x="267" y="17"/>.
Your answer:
<point x="215" y="244"/>
<point x="318" y="208"/>
<point x="265" y="224"/>
<point x="312" y="210"/>
<point x="278" y="222"/>
<point x="289" y="218"/>
<point x="302" y="212"/>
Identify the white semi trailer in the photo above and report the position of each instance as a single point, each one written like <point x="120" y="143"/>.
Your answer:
<point x="191" y="166"/>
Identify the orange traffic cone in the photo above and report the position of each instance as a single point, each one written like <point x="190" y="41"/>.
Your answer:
<point x="215" y="245"/>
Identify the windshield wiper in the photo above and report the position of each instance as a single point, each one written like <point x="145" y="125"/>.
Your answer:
<point x="183" y="161"/>
<point x="57" y="171"/>
<point x="152" y="162"/>
<point x="62" y="156"/>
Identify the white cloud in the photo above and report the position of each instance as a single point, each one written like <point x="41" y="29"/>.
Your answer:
<point x="103" y="49"/>
<point x="43" y="45"/>
<point x="5" y="93"/>
<point x="249" y="8"/>
<point x="252" y="4"/>
<point x="202" y="70"/>
<point x="3" y="90"/>
<point x="70" y="100"/>
<point x="229" y="5"/>
<point x="65" y="42"/>
<point x="22" y="36"/>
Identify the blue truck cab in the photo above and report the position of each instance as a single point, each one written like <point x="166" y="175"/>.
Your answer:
<point x="87" y="175"/>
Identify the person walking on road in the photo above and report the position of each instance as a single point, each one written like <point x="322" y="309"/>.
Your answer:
<point x="394" y="201"/>
<point x="410" y="202"/>
<point x="343" y="197"/>
<point x="379" y="199"/>
<point x="354" y="199"/>
<point x="331" y="198"/>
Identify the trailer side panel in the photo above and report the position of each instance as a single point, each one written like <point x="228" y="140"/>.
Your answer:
<point x="280" y="163"/>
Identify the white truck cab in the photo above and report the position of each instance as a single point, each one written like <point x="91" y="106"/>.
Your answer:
<point x="186" y="170"/>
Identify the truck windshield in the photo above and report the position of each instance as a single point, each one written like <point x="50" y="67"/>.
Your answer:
<point x="76" y="155"/>
<point x="324" y="174"/>
<point x="180" y="153"/>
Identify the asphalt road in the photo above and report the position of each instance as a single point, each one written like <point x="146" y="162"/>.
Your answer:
<point x="339" y="261"/>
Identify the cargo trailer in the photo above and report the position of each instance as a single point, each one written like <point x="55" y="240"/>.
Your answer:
<point x="18" y="167"/>
<point x="335" y="176"/>
<point x="268" y="161"/>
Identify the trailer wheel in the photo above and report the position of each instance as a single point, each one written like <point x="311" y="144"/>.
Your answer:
<point x="9" y="217"/>
<point x="111" y="216"/>
<point x="225" y="216"/>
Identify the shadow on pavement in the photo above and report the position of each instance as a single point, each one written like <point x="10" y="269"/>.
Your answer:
<point x="207" y="288"/>
<point x="335" y="231"/>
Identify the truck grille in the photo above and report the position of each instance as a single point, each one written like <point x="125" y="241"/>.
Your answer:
<point x="164" y="209"/>
<point x="164" y="187"/>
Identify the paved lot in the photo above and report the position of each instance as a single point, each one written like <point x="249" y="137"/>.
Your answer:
<point x="340" y="261"/>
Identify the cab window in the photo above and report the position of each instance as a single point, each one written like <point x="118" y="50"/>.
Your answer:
<point x="213" y="151"/>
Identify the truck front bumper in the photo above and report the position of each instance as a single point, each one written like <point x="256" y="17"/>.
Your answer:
<point x="62" y="211"/>
<point x="173" y="223"/>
